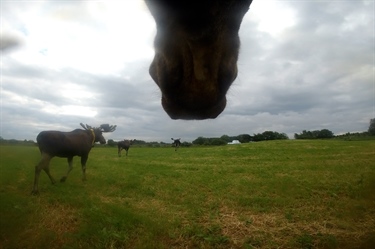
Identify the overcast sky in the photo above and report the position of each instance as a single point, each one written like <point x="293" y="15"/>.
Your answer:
<point x="304" y="65"/>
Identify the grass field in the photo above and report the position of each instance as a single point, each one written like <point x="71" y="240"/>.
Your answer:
<point x="277" y="194"/>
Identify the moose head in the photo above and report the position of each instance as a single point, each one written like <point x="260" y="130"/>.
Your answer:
<point x="98" y="131"/>
<point x="196" y="53"/>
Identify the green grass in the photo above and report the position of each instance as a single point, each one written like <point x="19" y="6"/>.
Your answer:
<point x="277" y="194"/>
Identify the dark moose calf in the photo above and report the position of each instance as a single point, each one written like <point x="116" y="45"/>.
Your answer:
<point x="125" y="144"/>
<point x="176" y="143"/>
<point x="67" y="144"/>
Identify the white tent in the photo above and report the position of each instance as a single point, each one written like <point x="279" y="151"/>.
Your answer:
<point x="234" y="142"/>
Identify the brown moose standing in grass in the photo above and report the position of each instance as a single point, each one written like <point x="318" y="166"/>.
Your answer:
<point x="67" y="144"/>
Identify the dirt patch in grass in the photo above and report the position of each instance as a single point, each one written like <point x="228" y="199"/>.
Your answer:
<point x="59" y="218"/>
<point x="52" y="227"/>
<point x="270" y="230"/>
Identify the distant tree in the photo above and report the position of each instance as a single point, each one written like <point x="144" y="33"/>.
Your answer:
<point x="185" y="144"/>
<point x="371" y="128"/>
<point x="111" y="143"/>
<point x="270" y="135"/>
<point x="209" y="141"/>
<point x="303" y="135"/>
<point x="325" y="133"/>
<point x="225" y="138"/>
<point x="258" y="137"/>
<point x="200" y="141"/>
<point x="217" y="141"/>
<point x="282" y="136"/>
<point x="244" y="138"/>
<point x="355" y="135"/>
<point x="153" y="144"/>
<point x="139" y="142"/>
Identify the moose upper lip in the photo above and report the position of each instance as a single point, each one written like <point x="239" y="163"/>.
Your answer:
<point x="177" y="111"/>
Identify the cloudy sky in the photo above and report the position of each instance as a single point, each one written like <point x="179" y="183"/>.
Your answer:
<point x="304" y="65"/>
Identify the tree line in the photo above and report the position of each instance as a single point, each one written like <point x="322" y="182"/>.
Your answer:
<point x="243" y="138"/>
<point x="317" y="134"/>
<point x="325" y="133"/>
<point x="224" y="139"/>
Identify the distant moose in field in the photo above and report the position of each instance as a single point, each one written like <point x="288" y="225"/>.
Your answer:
<point x="196" y="52"/>
<point x="67" y="144"/>
<point x="125" y="144"/>
<point x="176" y="143"/>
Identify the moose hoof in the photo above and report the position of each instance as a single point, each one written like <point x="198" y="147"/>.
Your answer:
<point x="63" y="179"/>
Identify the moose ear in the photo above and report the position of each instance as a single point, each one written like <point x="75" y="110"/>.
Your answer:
<point x="83" y="126"/>
<point x="86" y="127"/>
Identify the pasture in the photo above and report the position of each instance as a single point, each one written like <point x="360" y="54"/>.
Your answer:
<point x="276" y="194"/>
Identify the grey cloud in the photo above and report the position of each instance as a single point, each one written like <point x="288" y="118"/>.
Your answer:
<point x="8" y="42"/>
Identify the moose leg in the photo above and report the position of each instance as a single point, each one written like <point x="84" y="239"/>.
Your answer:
<point x="83" y="163"/>
<point x="119" y="151"/>
<point x="70" y="163"/>
<point x="127" y="152"/>
<point x="43" y="164"/>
